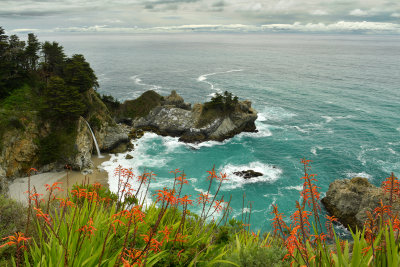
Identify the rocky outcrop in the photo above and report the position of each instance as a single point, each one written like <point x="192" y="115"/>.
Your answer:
<point x="248" y="174"/>
<point x="349" y="200"/>
<point x="174" y="118"/>
<point x="84" y="147"/>
<point x="19" y="150"/>
<point x="176" y="100"/>
<point x="20" y="147"/>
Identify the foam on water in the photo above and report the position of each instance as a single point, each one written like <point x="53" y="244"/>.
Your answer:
<point x="275" y="113"/>
<point x="314" y="149"/>
<point x="297" y="187"/>
<point x="360" y="174"/>
<point x="139" y="81"/>
<point x="262" y="128"/>
<point x="270" y="174"/>
<point x="203" y="78"/>
<point x="329" y="119"/>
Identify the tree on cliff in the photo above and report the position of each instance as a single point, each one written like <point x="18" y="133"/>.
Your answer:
<point x="62" y="101"/>
<point x="79" y="74"/>
<point x="53" y="59"/>
<point x="32" y="51"/>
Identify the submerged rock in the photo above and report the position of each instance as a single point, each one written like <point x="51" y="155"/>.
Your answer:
<point x="248" y="174"/>
<point x="349" y="200"/>
<point x="175" y="118"/>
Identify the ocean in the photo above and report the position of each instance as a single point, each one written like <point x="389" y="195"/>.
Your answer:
<point x="333" y="99"/>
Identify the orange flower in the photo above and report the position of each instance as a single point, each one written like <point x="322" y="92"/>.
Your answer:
<point x="203" y="198"/>
<point x="218" y="206"/>
<point x="166" y="195"/>
<point x="182" y="179"/>
<point x="328" y="225"/>
<point x="222" y="177"/>
<point x="278" y="222"/>
<point x="180" y="238"/>
<point x="40" y="214"/>
<point x="166" y="232"/>
<point x="53" y="187"/>
<point x="180" y="254"/>
<point x="185" y="200"/>
<point x="17" y="239"/>
<point x="66" y="202"/>
<point x="88" y="229"/>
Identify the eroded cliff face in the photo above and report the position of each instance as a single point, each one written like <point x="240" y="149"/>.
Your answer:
<point x="349" y="201"/>
<point x="175" y="118"/>
<point x="19" y="149"/>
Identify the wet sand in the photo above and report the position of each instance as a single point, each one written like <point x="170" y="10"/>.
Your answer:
<point x="20" y="185"/>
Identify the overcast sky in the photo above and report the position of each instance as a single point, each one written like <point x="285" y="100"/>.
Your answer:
<point x="368" y="16"/>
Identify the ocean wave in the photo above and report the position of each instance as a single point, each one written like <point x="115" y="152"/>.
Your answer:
<point x="329" y="119"/>
<point x="297" y="187"/>
<point x="360" y="174"/>
<point x="300" y="129"/>
<point x="139" y="81"/>
<point x="398" y="129"/>
<point x="263" y="131"/>
<point x="203" y="78"/>
<point x="361" y="155"/>
<point x="275" y="114"/>
<point x="392" y="151"/>
<point x="270" y="174"/>
<point x="315" y="149"/>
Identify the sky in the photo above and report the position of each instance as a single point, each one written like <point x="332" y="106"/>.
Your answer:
<point x="131" y="16"/>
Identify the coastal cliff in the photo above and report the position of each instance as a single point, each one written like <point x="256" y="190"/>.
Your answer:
<point x="174" y="117"/>
<point x="349" y="201"/>
<point x="31" y="144"/>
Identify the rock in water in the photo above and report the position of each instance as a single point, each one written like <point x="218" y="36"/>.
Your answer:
<point x="248" y="174"/>
<point x="175" y="118"/>
<point x="349" y="200"/>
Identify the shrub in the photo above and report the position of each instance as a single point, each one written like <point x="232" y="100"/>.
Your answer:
<point x="12" y="219"/>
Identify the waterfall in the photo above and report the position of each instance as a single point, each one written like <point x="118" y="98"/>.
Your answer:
<point x="95" y="141"/>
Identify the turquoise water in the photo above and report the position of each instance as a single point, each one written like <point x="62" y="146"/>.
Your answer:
<point x="332" y="99"/>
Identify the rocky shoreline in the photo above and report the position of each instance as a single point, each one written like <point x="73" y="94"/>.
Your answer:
<point x="167" y="116"/>
<point x="350" y="199"/>
<point x="173" y="117"/>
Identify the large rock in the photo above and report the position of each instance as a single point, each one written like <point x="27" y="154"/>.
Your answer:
<point x="19" y="150"/>
<point x="176" y="100"/>
<point x="113" y="137"/>
<point x="172" y="118"/>
<point x="248" y="174"/>
<point x="84" y="146"/>
<point x="349" y="200"/>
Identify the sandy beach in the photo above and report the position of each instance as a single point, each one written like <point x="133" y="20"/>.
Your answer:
<point x="20" y="185"/>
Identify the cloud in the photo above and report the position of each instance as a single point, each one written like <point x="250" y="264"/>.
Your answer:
<point x="341" y="26"/>
<point x="358" y="12"/>
<point x="319" y="12"/>
<point x="337" y="27"/>
<point x="153" y="15"/>
<point x="219" y="4"/>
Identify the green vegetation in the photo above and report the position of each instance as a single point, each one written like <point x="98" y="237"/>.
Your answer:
<point x="226" y="102"/>
<point x="219" y="106"/>
<point x="38" y="81"/>
<point x="93" y="227"/>
<point x="141" y="106"/>
<point x="12" y="219"/>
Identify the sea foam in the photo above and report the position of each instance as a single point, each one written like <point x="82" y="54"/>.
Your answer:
<point x="270" y="174"/>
